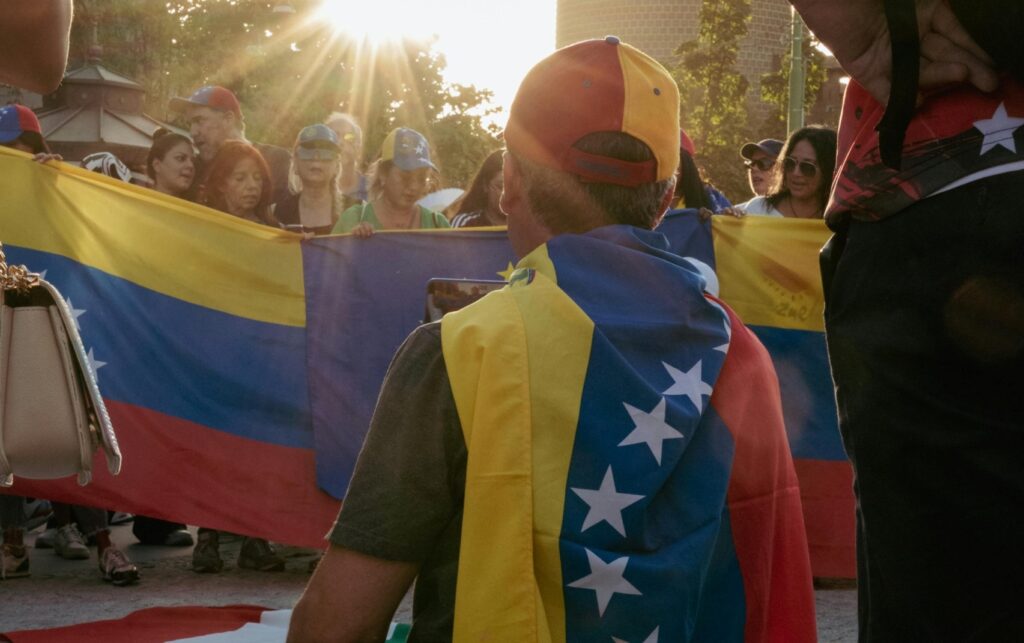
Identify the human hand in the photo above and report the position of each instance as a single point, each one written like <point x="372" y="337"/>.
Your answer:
<point x="45" y="157"/>
<point x="732" y="211"/>
<point x="362" y="231"/>
<point x="856" y="32"/>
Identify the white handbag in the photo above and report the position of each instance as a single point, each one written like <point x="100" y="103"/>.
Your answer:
<point x="52" y="418"/>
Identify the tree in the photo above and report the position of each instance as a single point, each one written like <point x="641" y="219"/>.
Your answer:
<point x="289" y="72"/>
<point x="775" y="87"/>
<point x="713" y="93"/>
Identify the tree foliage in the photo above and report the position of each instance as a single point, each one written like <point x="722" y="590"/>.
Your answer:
<point x="288" y="72"/>
<point x="775" y="86"/>
<point x="713" y="93"/>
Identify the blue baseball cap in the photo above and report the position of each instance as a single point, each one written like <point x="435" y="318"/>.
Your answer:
<point x="314" y="140"/>
<point x="15" y="120"/>
<point x="212" y="96"/>
<point x="407" y="149"/>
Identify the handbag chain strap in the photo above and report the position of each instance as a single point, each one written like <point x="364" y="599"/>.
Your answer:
<point x="15" y="277"/>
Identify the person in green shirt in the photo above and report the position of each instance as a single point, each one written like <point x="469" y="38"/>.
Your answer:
<point x="403" y="175"/>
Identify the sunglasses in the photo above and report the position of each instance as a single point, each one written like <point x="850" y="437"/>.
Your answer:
<point x="807" y="168"/>
<point x="762" y="164"/>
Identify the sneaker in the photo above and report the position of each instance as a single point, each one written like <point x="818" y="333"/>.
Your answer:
<point x="206" y="555"/>
<point x="179" y="538"/>
<point x="45" y="539"/>
<point x="13" y="561"/>
<point x="116" y="568"/>
<point x="258" y="554"/>
<point x="36" y="513"/>
<point x="69" y="543"/>
<point x="119" y="517"/>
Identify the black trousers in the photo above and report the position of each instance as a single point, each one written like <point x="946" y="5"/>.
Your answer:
<point x="925" y="328"/>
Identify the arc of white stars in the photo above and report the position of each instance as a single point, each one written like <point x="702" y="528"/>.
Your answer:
<point x="606" y="579"/>
<point x="650" y="429"/>
<point x="95" y="365"/>
<point x="690" y="384"/>
<point x="606" y="504"/>
<point x="998" y="130"/>
<point x="653" y="638"/>
<point x="75" y="313"/>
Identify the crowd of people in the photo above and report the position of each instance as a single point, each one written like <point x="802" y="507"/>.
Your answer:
<point x="530" y="513"/>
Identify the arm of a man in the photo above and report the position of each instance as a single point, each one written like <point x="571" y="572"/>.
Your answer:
<point x="405" y="492"/>
<point x="34" y="43"/>
<point x="856" y="32"/>
<point x="351" y="597"/>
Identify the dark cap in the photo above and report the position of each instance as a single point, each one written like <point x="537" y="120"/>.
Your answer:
<point x="770" y="146"/>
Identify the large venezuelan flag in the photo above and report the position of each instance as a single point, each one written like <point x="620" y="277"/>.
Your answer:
<point x="241" y="364"/>
<point x="195" y="322"/>
<point x="768" y="271"/>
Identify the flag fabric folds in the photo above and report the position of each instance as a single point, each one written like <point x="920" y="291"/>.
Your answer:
<point x="631" y="499"/>
<point x="241" y="364"/>
<point x="194" y="323"/>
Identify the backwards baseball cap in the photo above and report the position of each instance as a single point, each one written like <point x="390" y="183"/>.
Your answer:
<point x="314" y="138"/>
<point x="407" y="149"/>
<point x="770" y="146"/>
<point x="212" y="96"/>
<point x="597" y="86"/>
<point x="15" y="120"/>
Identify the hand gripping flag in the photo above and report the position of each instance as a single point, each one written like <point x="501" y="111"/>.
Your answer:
<point x="628" y="474"/>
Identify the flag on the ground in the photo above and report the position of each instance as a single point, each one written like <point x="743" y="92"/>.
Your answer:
<point x="187" y="624"/>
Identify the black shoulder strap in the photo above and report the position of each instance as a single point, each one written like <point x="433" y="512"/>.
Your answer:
<point x="906" y="52"/>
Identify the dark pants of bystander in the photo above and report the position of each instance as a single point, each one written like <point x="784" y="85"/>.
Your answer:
<point x="925" y="329"/>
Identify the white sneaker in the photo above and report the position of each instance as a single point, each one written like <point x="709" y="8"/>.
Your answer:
<point x="69" y="543"/>
<point x="45" y="539"/>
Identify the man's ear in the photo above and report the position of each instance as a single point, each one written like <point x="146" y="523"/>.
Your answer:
<point x="666" y="202"/>
<point x="512" y="188"/>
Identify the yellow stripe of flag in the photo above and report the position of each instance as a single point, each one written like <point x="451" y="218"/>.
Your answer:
<point x="768" y="270"/>
<point x="168" y="245"/>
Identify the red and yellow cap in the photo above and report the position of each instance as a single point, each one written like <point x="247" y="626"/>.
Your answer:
<point x="597" y="86"/>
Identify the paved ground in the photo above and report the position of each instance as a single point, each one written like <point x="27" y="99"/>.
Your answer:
<point x="62" y="592"/>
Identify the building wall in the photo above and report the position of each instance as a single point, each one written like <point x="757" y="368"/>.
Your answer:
<point x="659" y="26"/>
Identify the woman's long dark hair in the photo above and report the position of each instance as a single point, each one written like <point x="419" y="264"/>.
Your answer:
<point x="823" y="140"/>
<point x="163" y="140"/>
<point x="476" y="198"/>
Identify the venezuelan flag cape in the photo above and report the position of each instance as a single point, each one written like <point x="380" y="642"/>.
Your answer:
<point x="628" y="475"/>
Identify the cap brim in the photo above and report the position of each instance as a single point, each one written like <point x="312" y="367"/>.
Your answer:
<point x="409" y="165"/>
<point x="747" y="151"/>
<point x="178" y="104"/>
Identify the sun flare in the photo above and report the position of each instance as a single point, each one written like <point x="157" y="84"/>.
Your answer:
<point x="379" y="22"/>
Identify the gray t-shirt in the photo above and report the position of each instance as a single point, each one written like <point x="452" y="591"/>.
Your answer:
<point x="405" y="499"/>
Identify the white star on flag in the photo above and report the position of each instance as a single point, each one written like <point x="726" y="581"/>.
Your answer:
<point x="95" y="365"/>
<point x="75" y="313"/>
<point x="606" y="504"/>
<point x="998" y="130"/>
<point x="691" y="384"/>
<point x="650" y="429"/>
<point x="606" y="579"/>
<point x="653" y="638"/>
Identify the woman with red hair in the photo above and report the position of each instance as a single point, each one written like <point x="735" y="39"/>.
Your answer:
<point x="239" y="183"/>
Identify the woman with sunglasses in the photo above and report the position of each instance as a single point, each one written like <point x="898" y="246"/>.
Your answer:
<point x="402" y="176"/>
<point x="803" y="177"/>
<point x="314" y="202"/>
